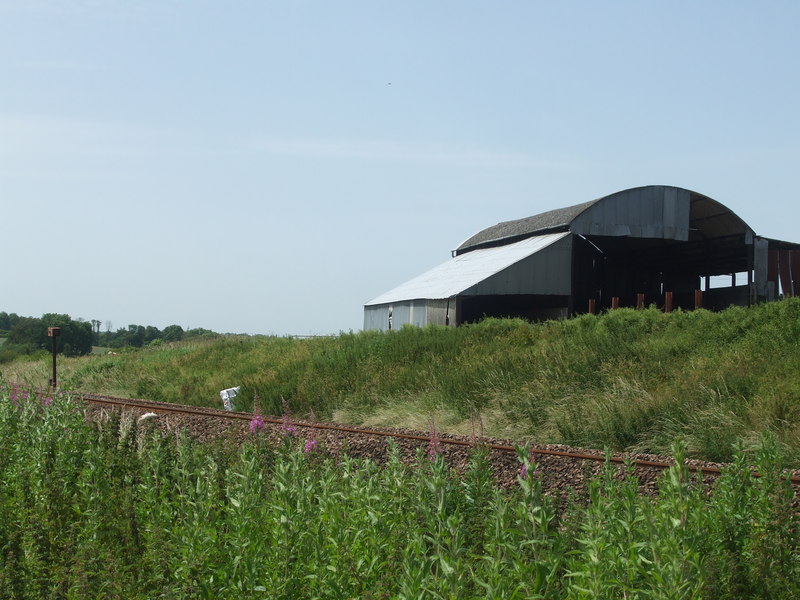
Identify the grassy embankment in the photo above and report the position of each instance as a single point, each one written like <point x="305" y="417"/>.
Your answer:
<point x="105" y="510"/>
<point x="623" y="380"/>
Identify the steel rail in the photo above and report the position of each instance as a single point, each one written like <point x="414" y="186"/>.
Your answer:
<point x="218" y="413"/>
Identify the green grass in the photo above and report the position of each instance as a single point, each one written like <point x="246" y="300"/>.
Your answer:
<point x="106" y="510"/>
<point x="626" y="379"/>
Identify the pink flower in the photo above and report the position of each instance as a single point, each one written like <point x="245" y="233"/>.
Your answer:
<point x="48" y="401"/>
<point x="256" y="424"/>
<point x="311" y="442"/>
<point x="523" y="470"/>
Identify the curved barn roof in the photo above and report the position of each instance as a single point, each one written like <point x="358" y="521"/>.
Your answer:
<point x="647" y="211"/>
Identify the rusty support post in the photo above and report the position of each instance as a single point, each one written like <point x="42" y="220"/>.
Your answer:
<point x="640" y="301"/>
<point x="698" y="299"/>
<point x="592" y="306"/>
<point x="668" y="302"/>
<point x="615" y="302"/>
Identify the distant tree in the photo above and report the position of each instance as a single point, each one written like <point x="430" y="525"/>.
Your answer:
<point x="116" y="339"/>
<point x="135" y="336"/>
<point x="76" y="337"/>
<point x="132" y="335"/>
<point x="7" y="321"/>
<point x="96" y="330"/>
<point x="172" y="333"/>
<point x="28" y="332"/>
<point x="151" y="334"/>
<point x="199" y="332"/>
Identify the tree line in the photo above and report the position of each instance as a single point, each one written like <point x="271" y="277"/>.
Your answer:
<point x="28" y="335"/>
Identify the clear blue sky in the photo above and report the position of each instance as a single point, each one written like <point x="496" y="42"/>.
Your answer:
<point x="269" y="166"/>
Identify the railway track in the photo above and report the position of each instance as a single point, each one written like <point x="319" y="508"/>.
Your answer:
<point x="557" y="462"/>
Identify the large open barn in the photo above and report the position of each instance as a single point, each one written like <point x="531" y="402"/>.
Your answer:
<point x="657" y="244"/>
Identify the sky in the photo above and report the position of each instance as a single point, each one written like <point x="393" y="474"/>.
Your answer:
<point x="267" y="167"/>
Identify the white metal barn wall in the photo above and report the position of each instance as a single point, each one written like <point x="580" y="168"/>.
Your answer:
<point x="409" y="312"/>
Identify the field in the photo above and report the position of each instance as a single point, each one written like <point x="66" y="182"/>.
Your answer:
<point x="626" y="379"/>
<point x="108" y="510"/>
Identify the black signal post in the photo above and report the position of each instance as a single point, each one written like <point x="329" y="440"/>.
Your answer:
<point x="54" y="332"/>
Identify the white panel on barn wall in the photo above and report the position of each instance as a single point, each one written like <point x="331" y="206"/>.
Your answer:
<point x="376" y="318"/>
<point x="401" y="314"/>
<point x="419" y="316"/>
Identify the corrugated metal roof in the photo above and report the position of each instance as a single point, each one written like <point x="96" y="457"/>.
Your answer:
<point x="624" y="213"/>
<point x="466" y="270"/>
<point x="552" y="219"/>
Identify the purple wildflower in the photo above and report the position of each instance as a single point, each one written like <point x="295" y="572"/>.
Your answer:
<point x="311" y="442"/>
<point x="256" y="424"/>
<point x="48" y="401"/>
<point x="523" y="470"/>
